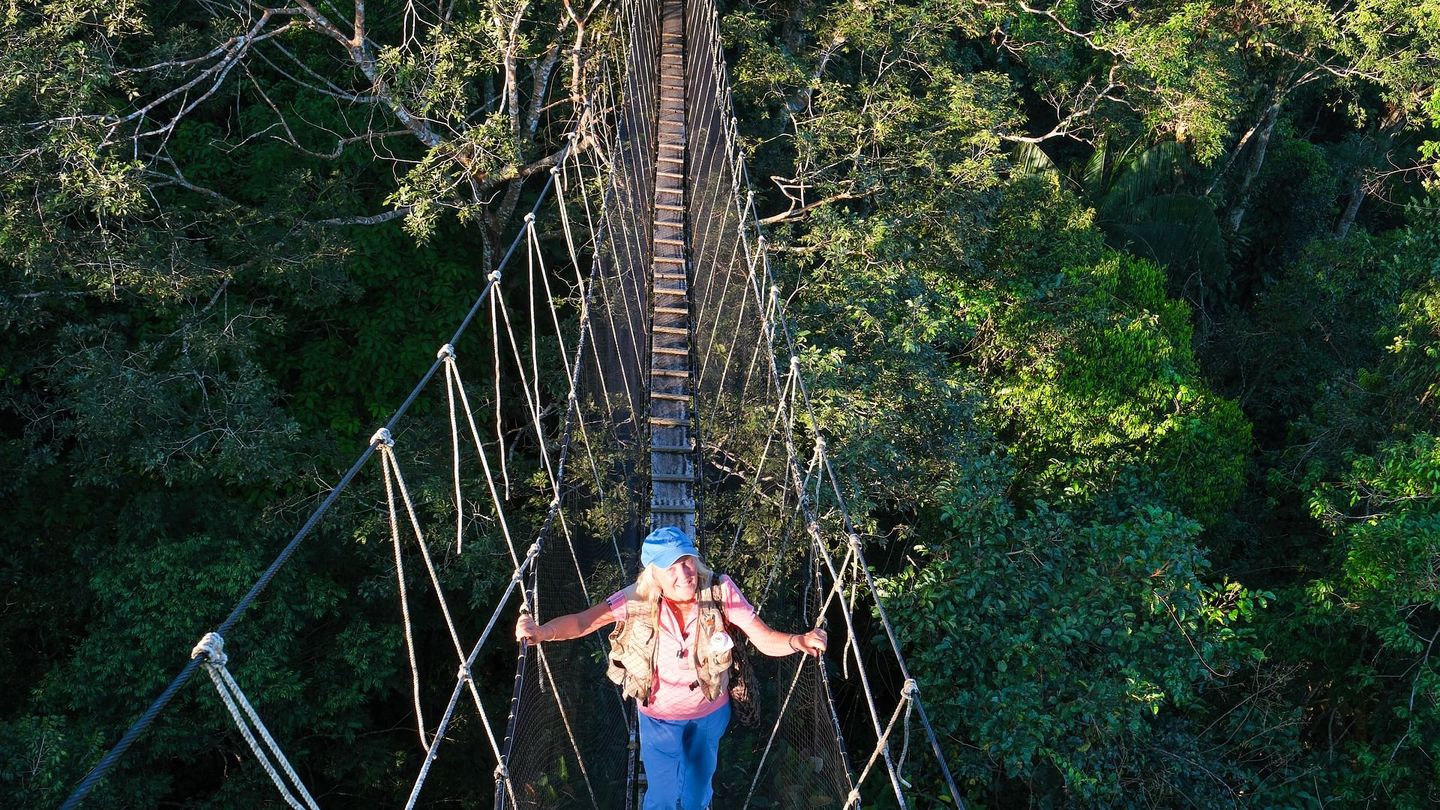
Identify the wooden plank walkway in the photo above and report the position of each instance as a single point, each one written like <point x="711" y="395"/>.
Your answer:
<point x="671" y="418"/>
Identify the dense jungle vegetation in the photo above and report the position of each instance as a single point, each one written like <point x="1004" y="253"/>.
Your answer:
<point x="1124" y="316"/>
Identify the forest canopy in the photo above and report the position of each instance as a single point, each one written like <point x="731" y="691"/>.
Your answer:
<point x="1123" y="319"/>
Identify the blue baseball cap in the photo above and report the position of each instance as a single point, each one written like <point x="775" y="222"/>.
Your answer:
<point x="666" y="545"/>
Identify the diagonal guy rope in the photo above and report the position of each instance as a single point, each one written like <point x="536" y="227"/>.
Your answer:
<point x="211" y="651"/>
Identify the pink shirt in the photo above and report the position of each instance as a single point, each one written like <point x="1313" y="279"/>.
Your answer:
<point x="673" y="699"/>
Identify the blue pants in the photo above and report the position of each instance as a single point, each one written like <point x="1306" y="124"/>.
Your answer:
<point x="679" y="757"/>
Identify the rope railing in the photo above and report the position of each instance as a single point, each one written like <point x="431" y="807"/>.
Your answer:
<point x="147" y="718"/>
<point x="764" y="279"/>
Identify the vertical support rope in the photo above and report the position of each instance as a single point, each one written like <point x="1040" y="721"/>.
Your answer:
<point x="386" y="461"/>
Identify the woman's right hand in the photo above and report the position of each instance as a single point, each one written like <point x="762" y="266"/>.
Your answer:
<point x="526" y="629"/>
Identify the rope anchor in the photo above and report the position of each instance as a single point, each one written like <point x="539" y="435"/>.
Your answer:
<point x="212" y="647"/>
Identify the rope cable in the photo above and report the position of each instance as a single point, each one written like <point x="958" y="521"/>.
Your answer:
<point x="210" y="651"/>
<point x="385" y="463"/>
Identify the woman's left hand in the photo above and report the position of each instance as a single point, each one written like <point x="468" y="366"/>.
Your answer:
<point x="811" y="643"/>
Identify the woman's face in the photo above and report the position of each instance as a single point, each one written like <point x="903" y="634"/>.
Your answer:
<point x="679" y="582"/>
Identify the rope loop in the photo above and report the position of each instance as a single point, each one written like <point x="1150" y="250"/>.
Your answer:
<point x="463" y="674"/>
<point x="555" y="171"/>
<point x="910" y="689"/>
<point x="212" y="646"/>
<point x="446" y="351"/>
<point x="501" y="772"/>
<point x="820" y="444"/>
<point x="530" y="218"/>
<point x="794" y="362"/>
<point x="382" y="438"/>
<point x="494" y="276"/>
<point x="853" y="800"/>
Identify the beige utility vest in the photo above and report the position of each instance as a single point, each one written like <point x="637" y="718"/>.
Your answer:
<point x="634" y="641"/>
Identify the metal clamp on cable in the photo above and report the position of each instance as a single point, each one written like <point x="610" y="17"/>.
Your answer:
<point x="382" y="436"/>
<point x="212" y="647"/>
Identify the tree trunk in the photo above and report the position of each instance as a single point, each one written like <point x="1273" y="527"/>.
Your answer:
<point x="1357" y="196"/>
<point x="1384" y="139"/>
<point x="1262" y="143"/>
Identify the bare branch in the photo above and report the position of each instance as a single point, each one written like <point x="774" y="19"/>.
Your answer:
<point x="797" y="211"/>
<point x="376" y="219"/>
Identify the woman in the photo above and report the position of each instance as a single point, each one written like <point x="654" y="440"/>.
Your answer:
<point x="671" y="652"/>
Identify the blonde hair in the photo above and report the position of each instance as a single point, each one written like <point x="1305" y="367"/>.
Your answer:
<point x="647" y="585"/>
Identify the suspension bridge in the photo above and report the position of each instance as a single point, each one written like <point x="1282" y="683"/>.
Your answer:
<point x="684" y="404"/>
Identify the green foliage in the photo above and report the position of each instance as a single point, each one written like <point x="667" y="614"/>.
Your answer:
<point x="1094" y="364"/>
<point x="191" y="340"/>
<point x="1384" y="515"/>
<point x="1059" y="641"/>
